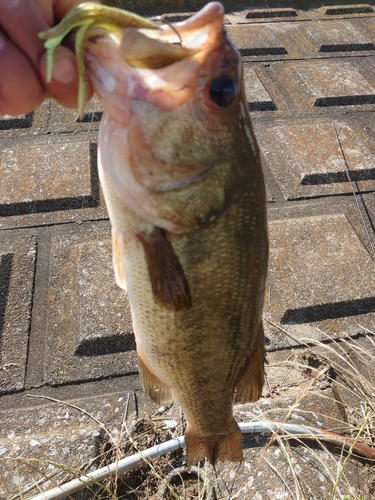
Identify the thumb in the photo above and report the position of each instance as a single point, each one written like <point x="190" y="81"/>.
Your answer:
<point x="64" y="84"/>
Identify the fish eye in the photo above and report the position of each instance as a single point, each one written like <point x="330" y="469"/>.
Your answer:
<point x="222" y="91"/>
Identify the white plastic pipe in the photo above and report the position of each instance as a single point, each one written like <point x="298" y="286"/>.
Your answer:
<point x="99" y="475"/>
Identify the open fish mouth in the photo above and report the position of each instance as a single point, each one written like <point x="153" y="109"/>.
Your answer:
<point x="154" y="49"/>
<point x="163" y="65"/>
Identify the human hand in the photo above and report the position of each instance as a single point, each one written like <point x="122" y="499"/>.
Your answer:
<point x="23" y="85"/>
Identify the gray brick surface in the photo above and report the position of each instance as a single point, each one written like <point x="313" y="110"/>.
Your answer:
<point x="88" y="330"/>
<point x="257" y="42"/>
<point x="48" y="168"/>
<point x="339" y="37"/>
<point x="17" y="263"/>
<point x="306" y="159"/>
<point x="321" y="281"/>
<point x="347" y="10"/>
<point x="334" y="84"/>
<point x="280" y="14"/>
<point x="258" y="97"/>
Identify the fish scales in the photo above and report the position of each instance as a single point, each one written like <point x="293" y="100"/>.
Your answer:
<point x="181" y="175"/>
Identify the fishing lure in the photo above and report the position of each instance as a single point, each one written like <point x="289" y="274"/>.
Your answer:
<point x="86" y="17"/>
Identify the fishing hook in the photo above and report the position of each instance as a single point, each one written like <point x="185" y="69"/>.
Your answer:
<point x="159" y="18"/>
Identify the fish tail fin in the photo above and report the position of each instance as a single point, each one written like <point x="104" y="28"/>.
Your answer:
<point x="158" y="392"/>
<point x="250" y="385"/>
<point x="219" y="448"/>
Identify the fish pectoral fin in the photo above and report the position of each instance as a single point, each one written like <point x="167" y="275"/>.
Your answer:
<point x="250" y="385"/>
<point x="216" y="448"/>
<point x="118" y="265"/>
<point x="169" y="284"/>
<point x="158" y="392"/>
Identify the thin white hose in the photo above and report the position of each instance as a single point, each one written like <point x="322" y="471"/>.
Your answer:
<point x="61" y="492"/>
<point x="98" y="475"/>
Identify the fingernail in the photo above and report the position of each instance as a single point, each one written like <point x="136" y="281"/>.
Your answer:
<point x="64" y="70"/>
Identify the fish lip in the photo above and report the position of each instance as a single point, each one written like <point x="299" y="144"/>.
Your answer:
<point x="204" y="16"/>
<point x="208" y="16"/>
<point x="159" y="49"/>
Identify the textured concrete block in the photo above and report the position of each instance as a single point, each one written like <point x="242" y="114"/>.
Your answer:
<point x="321" y="281"/>
<point x="257" y="96"/>
<point x="283" y="371"/>
<point x="271" y="14"/>
<point x="67" y="120"/>
<point x="306" y="158"/>
<point x="47" y="174"/>
<point x="16" y="122"/>
<point x="320" y="284"/>
<point x="49" y="431"/>
<point x="17" y="261"/>
<point x="352" y="363"/>
<point x="369" y="26"/>
<point x="255" y="40"/>
<point x="334" y="83"/>
<point x="338" y="37"/>
<point x="347" y="10"/>
<point x="89" y="327"/>
<point x="162" y="6"/>
<point x="93" y="112"/>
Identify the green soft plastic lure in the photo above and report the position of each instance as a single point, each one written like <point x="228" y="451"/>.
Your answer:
<point x="85" y="17"/>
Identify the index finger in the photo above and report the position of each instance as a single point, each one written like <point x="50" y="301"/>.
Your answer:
<point x="22" y="20"/>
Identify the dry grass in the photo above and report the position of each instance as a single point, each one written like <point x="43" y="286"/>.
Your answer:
<point x="317" y="384"/>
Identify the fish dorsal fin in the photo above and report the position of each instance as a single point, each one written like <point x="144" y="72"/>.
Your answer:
<point x="158" y="392"/>
<point x="250" y="385"/>
<point x="169" y="284"/>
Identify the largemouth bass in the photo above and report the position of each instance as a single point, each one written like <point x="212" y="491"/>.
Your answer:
<point x="181" y="174"/>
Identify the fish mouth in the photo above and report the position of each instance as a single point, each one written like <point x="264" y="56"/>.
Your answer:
<point x="157" y="65"/>
<point x="154" y="49"/>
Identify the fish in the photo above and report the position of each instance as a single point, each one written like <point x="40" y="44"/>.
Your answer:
<point x="181" y="173"/>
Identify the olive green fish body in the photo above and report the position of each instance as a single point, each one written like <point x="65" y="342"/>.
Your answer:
<point x="210" y="343"/>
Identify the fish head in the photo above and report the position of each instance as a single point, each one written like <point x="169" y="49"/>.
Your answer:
<point x="166" y="68"/>
<point x="174" y="102"/>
